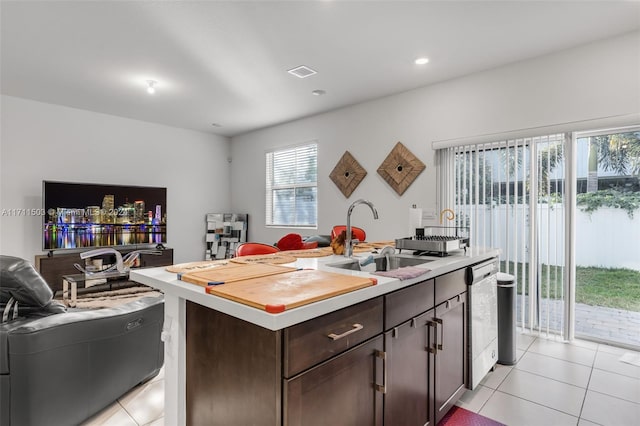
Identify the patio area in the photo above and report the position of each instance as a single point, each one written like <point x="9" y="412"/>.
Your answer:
<point x="592" y="322"/>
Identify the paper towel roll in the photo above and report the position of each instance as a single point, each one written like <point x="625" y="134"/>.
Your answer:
<point x="415" y="220"/>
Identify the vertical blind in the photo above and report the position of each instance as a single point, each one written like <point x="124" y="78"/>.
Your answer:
<point x="292" y="186"/>
<point x="510" y="194"/>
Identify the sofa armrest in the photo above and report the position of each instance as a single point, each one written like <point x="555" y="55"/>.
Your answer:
<point x="82" y="325"/>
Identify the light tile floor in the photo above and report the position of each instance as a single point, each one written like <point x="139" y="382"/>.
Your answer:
<point x="554" y="383"/>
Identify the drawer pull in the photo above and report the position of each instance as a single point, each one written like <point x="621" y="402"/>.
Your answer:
<point x="440" y="345"/>
<point x="383" y="387"/>
<point x="355" y="327"/>
<point x="432" y="349"/>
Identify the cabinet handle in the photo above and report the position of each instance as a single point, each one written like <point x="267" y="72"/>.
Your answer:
<point x="383" y="356"/>
<point x="440" y="345"/>
<point x="355" y="327"/>
<point x="431" y="349"/>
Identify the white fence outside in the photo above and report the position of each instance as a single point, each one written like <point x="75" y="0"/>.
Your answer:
<point x="605" y="238"/>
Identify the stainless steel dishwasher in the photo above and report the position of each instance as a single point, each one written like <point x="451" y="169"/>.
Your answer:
<point x="483" y="320"/>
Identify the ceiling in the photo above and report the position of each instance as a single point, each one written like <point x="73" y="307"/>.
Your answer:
<point x="226" y="62"/>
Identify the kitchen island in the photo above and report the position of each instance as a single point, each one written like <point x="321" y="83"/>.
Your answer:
<point x="228" y="363"/>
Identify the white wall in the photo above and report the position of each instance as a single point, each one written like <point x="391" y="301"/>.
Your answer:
<point x="48" y="142"/>
<point x="588" y="82"/>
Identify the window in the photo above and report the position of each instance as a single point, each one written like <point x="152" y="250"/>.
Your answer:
<point x="292" y="186"/>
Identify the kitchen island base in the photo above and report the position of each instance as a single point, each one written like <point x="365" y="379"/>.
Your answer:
<point x="339" y="368"/>
<point x="238" y="373"/>
<point x="392" y="353"/>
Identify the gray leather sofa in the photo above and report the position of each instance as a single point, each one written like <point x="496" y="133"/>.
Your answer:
<point x="58" y="366"/>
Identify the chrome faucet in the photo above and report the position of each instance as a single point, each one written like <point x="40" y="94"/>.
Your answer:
<point x="348" y="244"/>
<point x="387" y="251"/>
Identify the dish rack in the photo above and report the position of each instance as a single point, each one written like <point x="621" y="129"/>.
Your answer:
<point x="436" y="240"/>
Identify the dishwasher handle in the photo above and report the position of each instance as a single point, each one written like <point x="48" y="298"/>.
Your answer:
<point x="481" y="271"/>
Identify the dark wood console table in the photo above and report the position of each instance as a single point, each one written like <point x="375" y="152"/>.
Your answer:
<point x="53" y="268"/>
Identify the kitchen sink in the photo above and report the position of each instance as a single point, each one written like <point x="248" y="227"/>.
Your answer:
<point x="395" y="261"/>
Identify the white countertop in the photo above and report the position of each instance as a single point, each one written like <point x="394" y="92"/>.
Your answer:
<point x="168" y="282"/>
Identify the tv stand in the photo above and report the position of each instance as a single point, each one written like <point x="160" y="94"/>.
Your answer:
<point x="53" y="267"/>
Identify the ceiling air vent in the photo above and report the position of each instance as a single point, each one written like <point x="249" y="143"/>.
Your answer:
<point x="302" y="71"/>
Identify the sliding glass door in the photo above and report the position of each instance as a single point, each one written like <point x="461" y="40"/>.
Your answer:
<point x="607" y="242"/>
<point x="511" y="196"/>
<point x="565" y="211"/>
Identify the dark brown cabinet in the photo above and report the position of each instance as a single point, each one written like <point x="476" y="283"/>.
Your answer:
<point x="450" y="355"/>
<point x="346" y="390"/>
<point x="409" y="389"/>
<point x="328" y="370"/>
<point x="397" y="359"/>
<point x="311" y="342"/>
<point x="345" y="387"/>
<point x="427" y="353"/>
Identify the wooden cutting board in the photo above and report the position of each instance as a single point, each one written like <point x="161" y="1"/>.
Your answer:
<point x="276" y="293"/>
<point x="196" y="266"/>
<point x="315" y="252"/>
<point x="273" y="258"/>
<point x="233" y="272"/>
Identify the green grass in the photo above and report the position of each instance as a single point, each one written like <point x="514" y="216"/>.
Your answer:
<point x="610" y="287"/>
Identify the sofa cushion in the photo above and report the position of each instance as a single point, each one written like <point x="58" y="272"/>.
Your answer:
<point x="19" y="279"/>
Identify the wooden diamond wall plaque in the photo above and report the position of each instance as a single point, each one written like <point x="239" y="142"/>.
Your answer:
<point x="347" y="174"/>
<point x="400" y="168"/>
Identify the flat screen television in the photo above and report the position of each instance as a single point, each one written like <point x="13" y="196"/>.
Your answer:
<point x="87" y="215"/>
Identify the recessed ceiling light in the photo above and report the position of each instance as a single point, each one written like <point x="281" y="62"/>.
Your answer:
<point x="422" y="61"/>
<point x="151" y="89"/>
<point x="302" y="71"/>
<point x="319" y="92"/>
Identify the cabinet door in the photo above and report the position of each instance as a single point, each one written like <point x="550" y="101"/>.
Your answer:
<point x="409" y="391"/>
<point x="340" y="391"/>
<point x="407" y="303"/>
<point x="450" y="364"/>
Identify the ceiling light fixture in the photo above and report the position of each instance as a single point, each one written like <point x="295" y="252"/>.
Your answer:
<point x="216" y="124"/>
<point x="151" y="89"/>
<point x="421" y="61"/>
<point x="319" y="92"/>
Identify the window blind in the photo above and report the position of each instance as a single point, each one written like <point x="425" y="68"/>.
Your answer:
<point x="510" y="194"/>
<point x="291" y="186"/>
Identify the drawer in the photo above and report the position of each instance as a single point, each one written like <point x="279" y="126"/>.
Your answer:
<point x="152" y="260"/>
<point x="317" y="340"/>
<point x="407" y="303"/>
<point x="450" y="285"/>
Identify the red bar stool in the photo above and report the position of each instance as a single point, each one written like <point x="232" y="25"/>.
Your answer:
<point x="248" y="249"/>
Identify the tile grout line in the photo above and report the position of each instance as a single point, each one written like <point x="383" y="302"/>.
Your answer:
<point x="538" y="404"/>
<point x="128" y="414"/>
<point x="555" y="380"/>
<point x="588" y="383"/>
<point x="615" y="397"/>
<point x="610" y="372"/>
<point x="493" y="391"/>
<point x="558" y="381"/>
